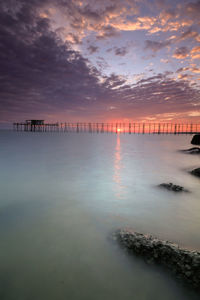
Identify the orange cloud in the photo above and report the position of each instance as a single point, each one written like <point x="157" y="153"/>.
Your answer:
<point x="181" y="53"/>
<point x="183" y="76"/>
<point x="195" y="49"/>
<point x="195" y="52"/>
<point x="196" y="56"/>
<point x="142" y="23"/>
<point x="198" y="38"/>
<point x="195" y="70"/>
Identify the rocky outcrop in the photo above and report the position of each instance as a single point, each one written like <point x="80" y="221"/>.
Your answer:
<point x="196" y="172"/>
<point x="194" y="150"/>
<point x="184" y="263"/>
<point x="172" y="187"/>
<point x="196" y="139"/>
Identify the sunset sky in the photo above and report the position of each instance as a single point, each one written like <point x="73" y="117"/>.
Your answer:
<point x="101" y="60"/>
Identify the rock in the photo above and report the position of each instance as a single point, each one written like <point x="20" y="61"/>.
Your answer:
<point x="196" y="139"/>
<point x="196" y="172"/>
<point x="184" y="263"/>
<point x="173" y="187"/>
<point x="194" y="150"/>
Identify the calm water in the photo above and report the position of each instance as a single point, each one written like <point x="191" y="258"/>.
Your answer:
<point x="62" y="195"/>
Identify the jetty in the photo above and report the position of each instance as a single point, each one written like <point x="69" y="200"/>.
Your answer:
<point x="91" y="127"/>
<point x="35" y="125"/>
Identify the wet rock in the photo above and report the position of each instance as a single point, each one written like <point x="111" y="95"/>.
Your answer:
<point x="196" y="172"/>
<point x="173" y="187"/>
<point x="194" y="150"/>
<point x="184" y="263"/>
<point x="196" y="139"/>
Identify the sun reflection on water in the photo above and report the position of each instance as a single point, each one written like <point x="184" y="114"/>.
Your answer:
<point x="117" y="170"/>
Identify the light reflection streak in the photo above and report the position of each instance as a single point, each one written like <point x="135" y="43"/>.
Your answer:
<point x="117" y="169"/>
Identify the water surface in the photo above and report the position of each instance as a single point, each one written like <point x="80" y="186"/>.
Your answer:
<point x="63" y="194"/>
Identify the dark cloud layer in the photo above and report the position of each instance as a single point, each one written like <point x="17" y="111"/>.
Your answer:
<point x="37" y="70"/>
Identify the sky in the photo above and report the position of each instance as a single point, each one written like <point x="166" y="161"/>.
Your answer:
<point x="100" y="60"/>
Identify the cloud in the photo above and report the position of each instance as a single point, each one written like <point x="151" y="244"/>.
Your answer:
<point x="114" y="81"/>
<point x="181" y="53"/>
<point x="184" y="76"/>
<point x="107" y="19"/>
<point x="156" y="46"/>
<point x="192" y="9"/>
<point x="195" y="70"/>
<point x="140" y="23"/>
<point x="100" y="17"/>
<point x="38" y="71"/>
<point x="164" y="60"/>
<point x="182" y="69"/>
<point x="138" y="77"/>
<point x="102" y="64"/>
<point x="71" y="37"/>
<point x="92" y="49"/>
<point x="189" y="33"/>
<point x="195" y="49"/>
<point x="121" y="51"/>
<point x="109" y="50"/>
<point x="42" y="75"/>
<point x="195" y="53"/>
<point x="195" y="56"/>
<point x="107" y="32"/>
<point x="155" y="90"/>
<point x="166" y="15"/>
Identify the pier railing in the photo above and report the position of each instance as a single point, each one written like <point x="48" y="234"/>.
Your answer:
<point x="143" y="128"/>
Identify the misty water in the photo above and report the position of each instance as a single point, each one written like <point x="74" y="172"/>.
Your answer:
<point x="62" y="195"/>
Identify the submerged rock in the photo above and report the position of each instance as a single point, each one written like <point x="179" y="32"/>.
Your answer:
<point x="173" y="187"/>
<point x="196" y="139"/>
<point x="196" y="172"/>
<point x="194" y="150"/>
<point x="184" y="263"/>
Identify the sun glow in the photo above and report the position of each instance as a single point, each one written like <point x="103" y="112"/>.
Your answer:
<point x="118" y="130"/>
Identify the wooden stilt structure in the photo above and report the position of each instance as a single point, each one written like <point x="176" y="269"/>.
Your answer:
<point x="131" y="128"/>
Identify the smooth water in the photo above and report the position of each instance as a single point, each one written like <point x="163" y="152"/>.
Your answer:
<point x="61" y="197"/>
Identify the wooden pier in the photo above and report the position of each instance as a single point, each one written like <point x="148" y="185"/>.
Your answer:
<point x="130" y="128"/>
<point x="36" y="126"/>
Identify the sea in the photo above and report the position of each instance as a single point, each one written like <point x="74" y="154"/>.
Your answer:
<point x="63" y="195"/>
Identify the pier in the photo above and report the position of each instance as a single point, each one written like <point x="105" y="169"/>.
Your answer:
<point x="35" y="126"/>
<point x="130" y="128"/>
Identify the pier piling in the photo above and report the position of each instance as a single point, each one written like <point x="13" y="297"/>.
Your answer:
<point x="130" y="128"/>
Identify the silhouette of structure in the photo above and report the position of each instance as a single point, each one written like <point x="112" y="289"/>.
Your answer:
<point x="35" y="125"/>
<point x="144" y="128"/>
<point x="35" y="122"/>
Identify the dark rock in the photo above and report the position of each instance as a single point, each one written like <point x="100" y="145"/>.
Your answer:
<point x="196" y="172"/>
<point x="194" y="150"/>
<point x="184" y="263"/>
<point x="196" y="139"/>
<point x="173" y="187"/>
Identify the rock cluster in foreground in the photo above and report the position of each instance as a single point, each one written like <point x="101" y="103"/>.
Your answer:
<point x="184" y="263"/>
<point x="196" y="172"/>
<point x="173" y="187"/>
<point x="196" y="139"/>
<point x="194" y="150"/>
